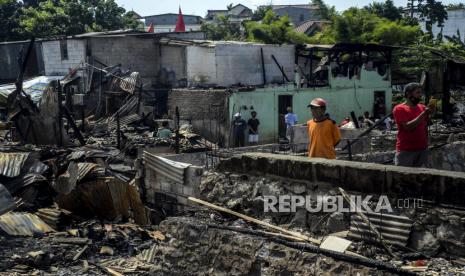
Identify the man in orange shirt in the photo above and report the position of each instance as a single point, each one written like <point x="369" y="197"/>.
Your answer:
<point x="323" y="133"/>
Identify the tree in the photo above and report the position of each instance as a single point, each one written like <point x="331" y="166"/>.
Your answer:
<point x="324" y="11"/>
<point x="131" y="22"/>
<point x="360" y="26"/>
<point x="433" y="12"/>
<point x="71" y="17"/>
<point x="222" y="29"/>
<point x="387" y="10"/>
<point x="260" y="13"/>
<point x="274" y="30"/>
<point x="9" y="19"/>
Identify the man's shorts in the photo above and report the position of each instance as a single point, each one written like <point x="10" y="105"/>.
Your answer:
<point x="412" y="158"/>
<point x="253" y="138"/>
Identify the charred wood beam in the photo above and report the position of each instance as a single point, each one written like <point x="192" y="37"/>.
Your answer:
<point x="280" y="68"/>
<point x="263" y="66"/>
<point x="176" y="145"/>
<point x="23" y="65"/>
<point x="118" y="131"/>
<point x="77" y="132"/>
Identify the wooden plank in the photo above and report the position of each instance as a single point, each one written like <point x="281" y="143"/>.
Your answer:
<point x="256" y="221"/>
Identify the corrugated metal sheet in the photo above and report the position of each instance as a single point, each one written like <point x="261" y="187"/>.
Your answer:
<point x="107" y="198"/>
<point x="12" y="162"/>
<point x="75" y="155"/>
<point x="75" y="173"/>
<point x="129" y="84"/>
<point x="92" y="153"/>
<point x="18" y="183"/>
<point x="170" y="169"/>
<point x="129" y="107"/>
<point x="148" y="255"/>
<point x="393" y="229"/>
<point x="125" y="121"/>
<point x="84" y="169"/>
<point x="6" y="201"/>
<point x="23" y="224"/>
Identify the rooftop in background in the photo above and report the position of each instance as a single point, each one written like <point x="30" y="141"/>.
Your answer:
<point x="309" y="27"/>
<point x="171" y="19"/>
<point x="118" y="33"/>
<point x="238" y="10"/>
<point x="304" y="6"/>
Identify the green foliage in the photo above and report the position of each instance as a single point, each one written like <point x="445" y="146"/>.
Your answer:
<point x="458" y="6"/>
<point x="387" y="10"/>
<point x="260" y="13"/>
<point x="274" y="30"/>
<point x="324" y="11"/>
<point x="9" y="19"/>
<point x="43" y="18"/>
<point x="222" y="29"/>
<point x="433" y="12"/>
<point x="360" y="26"/>
<point x="130" y="21"/>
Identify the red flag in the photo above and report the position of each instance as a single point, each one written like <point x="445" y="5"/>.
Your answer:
<point x="180" y="26"/>
<point x="151" y="28"/>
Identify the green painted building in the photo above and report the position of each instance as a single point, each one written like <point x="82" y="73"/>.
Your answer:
<point x="357" y="85"/>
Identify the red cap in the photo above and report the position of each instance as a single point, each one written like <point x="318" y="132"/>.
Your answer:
<point x="319" y="102"/>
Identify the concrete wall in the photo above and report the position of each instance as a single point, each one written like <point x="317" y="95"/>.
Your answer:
<point x="9" y="67"/>
<point x="201" y="66"/>
<point x="241" y="63"/>
<point x="397" y="182"/>
<point x="156" y="184"/>
<point x="136" y="54"/>
<point x="173" y="65"/>
<point x="232" y="63"/>
<point x="53" y="63"/>
<point x="205" y="109"/>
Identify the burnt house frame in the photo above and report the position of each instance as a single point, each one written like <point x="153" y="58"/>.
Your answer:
<point x="359" y="55"/>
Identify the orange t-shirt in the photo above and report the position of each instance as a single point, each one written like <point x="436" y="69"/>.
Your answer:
<point x="323" y="137"/>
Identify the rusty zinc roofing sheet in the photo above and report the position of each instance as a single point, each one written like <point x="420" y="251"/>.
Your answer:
<point x="12" y="162"/>
<point x="23" y="224"/>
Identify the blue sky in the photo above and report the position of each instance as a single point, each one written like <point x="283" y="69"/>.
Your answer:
<point x="200" y="7"/>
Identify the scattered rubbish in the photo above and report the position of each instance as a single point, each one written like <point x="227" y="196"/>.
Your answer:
<point x="106" y="250"/>
<point x="335" y="243"/>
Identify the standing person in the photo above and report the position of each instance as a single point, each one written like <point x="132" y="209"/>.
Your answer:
<point x="323" y="132"/>
<point x="239" y="125"/>
<point x="253" y="124"/>
<point x="388" y="123"/>
<point x="290" y="119"/>
<point x="412" y="121"/>
<point x="366" y="119"/>
<point x="361" y="122"/>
